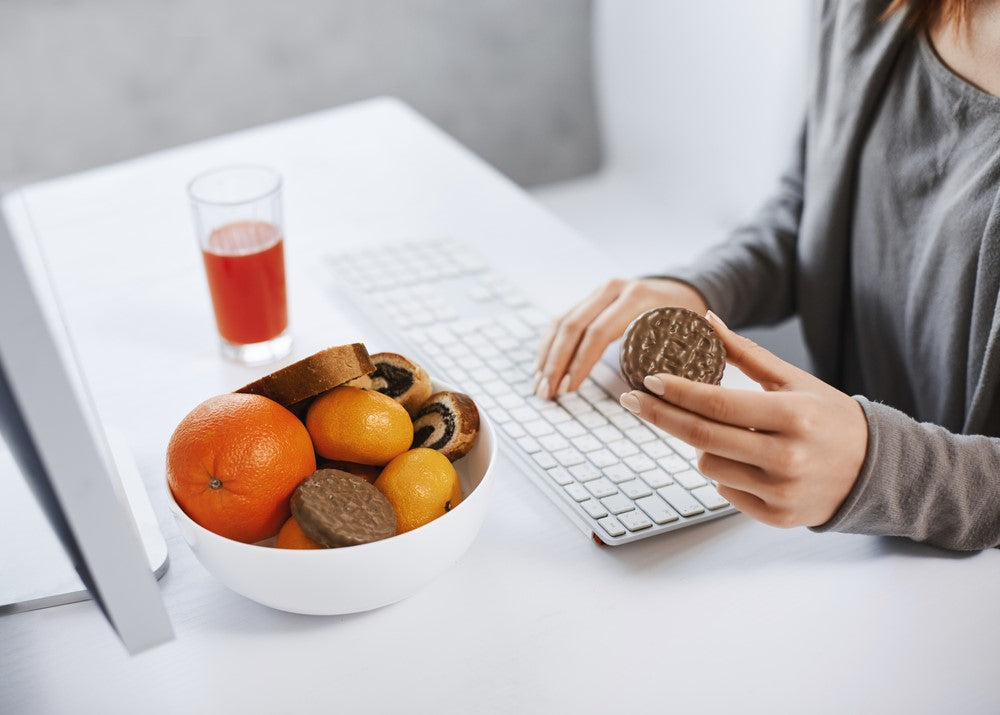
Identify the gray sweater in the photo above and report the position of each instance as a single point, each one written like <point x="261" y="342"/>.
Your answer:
<point x="884" y="236"/>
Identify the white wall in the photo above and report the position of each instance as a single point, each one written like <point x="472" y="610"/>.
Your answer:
<point x="700" y="100"/>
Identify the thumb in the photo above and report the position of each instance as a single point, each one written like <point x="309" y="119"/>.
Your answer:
<point x="760" y="365"/>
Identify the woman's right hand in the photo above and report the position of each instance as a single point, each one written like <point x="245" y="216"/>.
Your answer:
<point x="576" y="341"/>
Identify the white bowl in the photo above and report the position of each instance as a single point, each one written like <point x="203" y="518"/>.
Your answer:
<point x="352" y="578"/>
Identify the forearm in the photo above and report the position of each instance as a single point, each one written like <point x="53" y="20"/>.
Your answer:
<point x="923" y="482"/>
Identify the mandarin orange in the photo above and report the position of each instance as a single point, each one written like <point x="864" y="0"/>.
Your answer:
<point x="233" y="463"/>
<point x="355" y="425"/>
<point x="421" y="485"/>
<point x="291" y="536"/>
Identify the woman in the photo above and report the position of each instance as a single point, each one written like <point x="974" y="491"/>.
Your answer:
<point x="884" y="236"/>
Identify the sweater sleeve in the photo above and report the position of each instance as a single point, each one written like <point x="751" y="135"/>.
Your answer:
<point x="923" y="482"/>
<point x="749" y="279"/>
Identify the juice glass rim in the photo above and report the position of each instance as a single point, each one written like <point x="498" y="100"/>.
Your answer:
<point x="273" y="188"/>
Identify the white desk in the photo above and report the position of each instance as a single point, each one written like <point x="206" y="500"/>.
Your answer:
<point x="730" y="616"/>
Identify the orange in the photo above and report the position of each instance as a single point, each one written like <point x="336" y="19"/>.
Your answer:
<point x="421" y="485"/>
<point x="291" y="536"/>
<point x="233" y="463"/>
<point x="362" y="426"/>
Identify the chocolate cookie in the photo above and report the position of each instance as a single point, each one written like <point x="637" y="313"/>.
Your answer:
<point x="447" y="422"/>
<point x="336" y="508"/>
<point x="675" y="341"/>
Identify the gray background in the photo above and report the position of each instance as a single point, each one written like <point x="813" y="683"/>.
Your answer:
<point x="85" y="83"/>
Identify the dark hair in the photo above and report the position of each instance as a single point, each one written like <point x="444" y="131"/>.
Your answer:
<point x="924" y="13"/>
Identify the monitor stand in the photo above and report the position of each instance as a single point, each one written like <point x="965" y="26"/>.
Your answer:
<point x="37" y="573"/>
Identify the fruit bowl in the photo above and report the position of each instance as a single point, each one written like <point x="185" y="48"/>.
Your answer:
<point x="353" y="578"/>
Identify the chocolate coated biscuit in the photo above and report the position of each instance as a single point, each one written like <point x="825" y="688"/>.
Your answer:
<point x="336" y="508"/>
<point x="672" y="340"/>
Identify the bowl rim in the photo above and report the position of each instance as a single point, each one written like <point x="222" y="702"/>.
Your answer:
<point x="484" y="422"/>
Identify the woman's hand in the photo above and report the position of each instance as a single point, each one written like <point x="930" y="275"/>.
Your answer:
<point x="787" y="456"/>
<point x="576" y="341"/>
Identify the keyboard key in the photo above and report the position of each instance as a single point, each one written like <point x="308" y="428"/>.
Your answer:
<point x="679" y="499"/>
<point x="514" y="429"/>
<point x="496" y="388"/>
<point x="529" y="445"/>
<point x="640" y="435"/>
<point x="544" y="460"/>
<point x="607" y="433"/>
<point x="612" y="526"/>
<point x="602" y="457"/>
<point x="538" y="428"/>
<point x="560" y="476"/>
<point x="674" y="464"/>
<point x="591" y="391"/>
<point x="585" y="472"/>
<point x="482" y="374"/>
<point x="577" y="492"/>
<point x="635" y="489"/>
<point x="524" y="414"/>
<point x="556" y="415"/>
<point x="635" y="521"/>
<point x="587" y="443"/>
<point x="571" y="429"/>
<point x="499" y="363"/>
<point x="601" y="488"/>
<point x="500" y="415"/>
<point x="682" y="448"/>
<point x="608" y="407"/>
<point x="709" y="497"/>
<point x="510" y="401"/>
<point x="619" y="473"/>
<point x="515" y="326"/>
<point x="689" y="479"/>
<point x="567" y="457"/>
<point x="594" y="508"/>
<point x="513" y="375"/>
<point x="639" y="463"/>
<point x="657" y="449"/>
<point x="656" y="509"/>
<point x="553" y="442"/>
<point x="623" y="448"/>
<point x="575" y="405"/>
<point x="618" y="504"/>
<point x="591" y="420"/>
<point x="657" y="478"/>
<point x="624" y="420"/>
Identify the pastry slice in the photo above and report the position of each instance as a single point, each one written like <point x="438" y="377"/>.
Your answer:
<point x="447" y="422"/>
<point x="399" y="378"/>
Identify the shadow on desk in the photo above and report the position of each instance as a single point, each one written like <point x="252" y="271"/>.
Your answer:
<point x="739" y="543"/>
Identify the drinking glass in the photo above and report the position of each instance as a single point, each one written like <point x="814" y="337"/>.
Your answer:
<point x="237" y="218"/>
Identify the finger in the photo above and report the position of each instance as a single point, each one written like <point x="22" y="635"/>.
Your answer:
<point x="758" y="364"/>
<point x="567" y="336"/>
<point x="766" y="411"/>
<point x="735" y="443"/>
<point x="735" y="475"/>
<point x="751" y="505"/>
<point x="606" y="328"/>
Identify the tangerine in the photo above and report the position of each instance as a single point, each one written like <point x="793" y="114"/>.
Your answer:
<point x="421" y="485"/>
<point x="233" y="463"/>
<point x="291" y="536"/>
<point x="361" y="426"/>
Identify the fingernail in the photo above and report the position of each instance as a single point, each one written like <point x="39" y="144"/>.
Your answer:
<point x="535" y="380"/>
<point x="563" y="386"/>
<point x="653" y="384"/>
<point x="542" y="391"/>
<point x="630" y="402"/>
<point x="713" y="318"/>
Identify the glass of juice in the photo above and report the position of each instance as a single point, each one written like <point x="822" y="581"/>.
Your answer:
<point x="237" y="216"/>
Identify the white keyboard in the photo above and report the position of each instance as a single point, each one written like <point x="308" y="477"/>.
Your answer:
<point x="614" y="475"/>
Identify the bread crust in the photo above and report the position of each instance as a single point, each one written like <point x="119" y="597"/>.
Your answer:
<point x="313" y="375"/>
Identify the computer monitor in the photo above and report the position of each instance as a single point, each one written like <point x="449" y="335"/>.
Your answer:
<point x="51" y="427"/>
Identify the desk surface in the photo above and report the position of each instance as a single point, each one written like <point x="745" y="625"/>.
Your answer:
<point x="727" y="616"/>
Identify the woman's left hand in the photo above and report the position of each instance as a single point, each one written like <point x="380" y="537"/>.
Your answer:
<point x="787" y="456"/>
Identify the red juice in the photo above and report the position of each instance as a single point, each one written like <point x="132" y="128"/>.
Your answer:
<point x="245" y="265"/>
